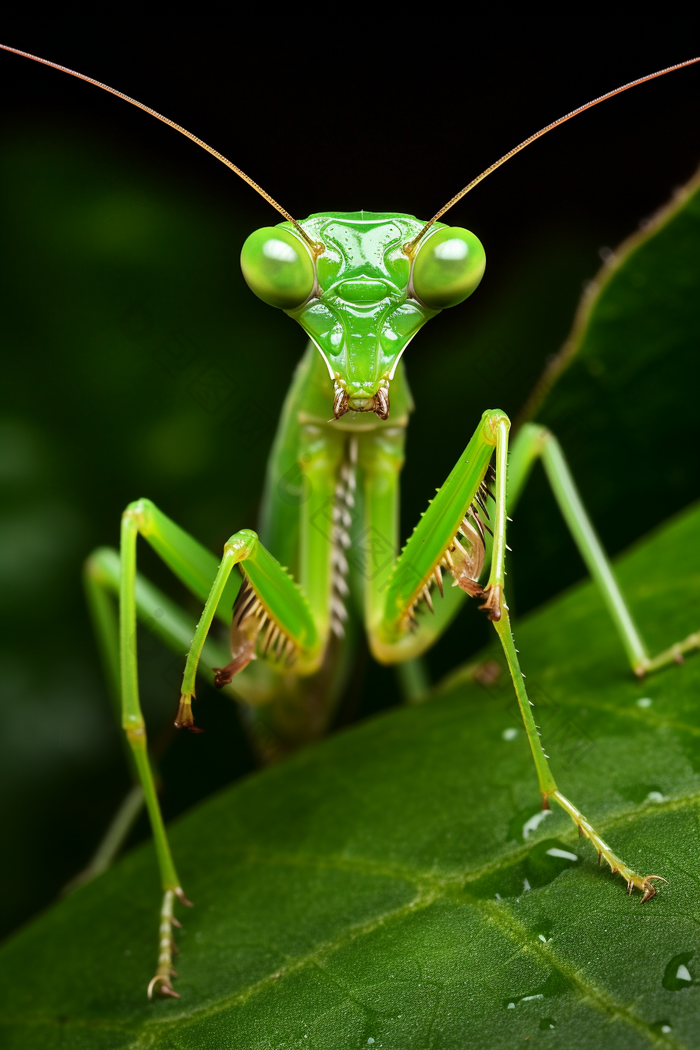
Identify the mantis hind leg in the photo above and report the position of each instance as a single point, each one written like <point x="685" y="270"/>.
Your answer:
<point x="145" y="518"/>
<point x="536" y="442"/>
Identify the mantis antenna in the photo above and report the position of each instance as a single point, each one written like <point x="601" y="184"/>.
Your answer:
<point x="183" y="131"/>
<point x="411" y="246"/>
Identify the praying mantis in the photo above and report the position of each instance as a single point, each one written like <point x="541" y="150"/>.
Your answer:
<point x="293" y="623"/>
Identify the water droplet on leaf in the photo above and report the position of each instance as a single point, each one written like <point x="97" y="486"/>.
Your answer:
<point x="677" y="975"/>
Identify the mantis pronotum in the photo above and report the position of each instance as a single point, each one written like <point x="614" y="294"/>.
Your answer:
<point x="361" y="285"/>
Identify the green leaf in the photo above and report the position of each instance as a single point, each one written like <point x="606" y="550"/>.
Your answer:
<point x="379" y="891"/>
<point x="622" y="394"/>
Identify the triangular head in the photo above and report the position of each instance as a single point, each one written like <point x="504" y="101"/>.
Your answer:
<point x="364" y="291"/>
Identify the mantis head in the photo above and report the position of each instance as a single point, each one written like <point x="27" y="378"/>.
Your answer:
<point x="361" y="291"/>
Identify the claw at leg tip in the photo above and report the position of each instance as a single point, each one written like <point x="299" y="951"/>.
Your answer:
<point x="492" y="605"/>
<point x="649" y="890"/>
<point x="165" y="988"/>
<point x="185" y="718"/>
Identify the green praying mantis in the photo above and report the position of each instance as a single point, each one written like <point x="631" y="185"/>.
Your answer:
<point x="361" y="285"/>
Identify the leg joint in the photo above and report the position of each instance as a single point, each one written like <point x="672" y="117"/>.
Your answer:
<point x="140" y="512"/>
<point x="491" y="421"/>
<point x="538" y="435"/>
<point x="102" y="567"/>
<point x="135" y="734"/>
<point x="241" y="544"/>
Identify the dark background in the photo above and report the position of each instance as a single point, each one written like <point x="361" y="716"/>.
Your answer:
<point x="136" y="362"/>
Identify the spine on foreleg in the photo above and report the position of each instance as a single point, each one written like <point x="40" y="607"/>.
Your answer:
<point x="464" y="556"/>
<point x="248" y="620"/>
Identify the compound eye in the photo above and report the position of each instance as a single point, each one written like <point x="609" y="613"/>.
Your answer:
<point x="277" y="267"/>
<point x="448" y="267"/>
